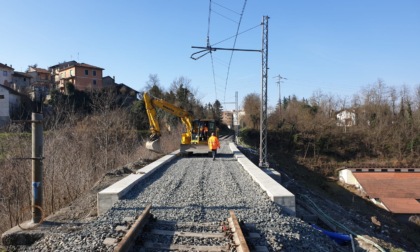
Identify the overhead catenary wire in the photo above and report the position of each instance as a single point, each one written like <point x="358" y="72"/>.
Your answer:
<point x="211" y="55"/>
<point x="234" y="44"/>
<point x="210" y="49"/>
<point x="226" y="8"/>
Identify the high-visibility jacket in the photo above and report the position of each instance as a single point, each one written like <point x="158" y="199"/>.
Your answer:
<point x="213" y="143"/>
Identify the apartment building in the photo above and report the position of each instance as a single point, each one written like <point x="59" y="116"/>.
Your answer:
<point x="83" y="76"/>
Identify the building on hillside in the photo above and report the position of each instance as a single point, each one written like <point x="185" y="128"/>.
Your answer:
<point x="10" y="101"/>
<point x="108" y="82"/>
<point x="346" y="118"/>
<point x="395" y="189"/>
<point x="55" y="70"/>
<point x="125" y="94"/>
<point x="6" y="73"/>
<point x="21" y="81"/>
<point x="83" y="76"/>
<point x="40" y="77"/>
<point x="227" y="118"/>
<point x="230" y="118"/>
<point x="41" y="83"/>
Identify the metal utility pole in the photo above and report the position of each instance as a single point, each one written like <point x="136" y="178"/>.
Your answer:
<point x="263" y="118"/>
<point x="280" y="78"/>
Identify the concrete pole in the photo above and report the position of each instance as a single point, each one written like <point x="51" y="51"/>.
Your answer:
<point x="37" y="156"/>
<point x="237" y="118"/>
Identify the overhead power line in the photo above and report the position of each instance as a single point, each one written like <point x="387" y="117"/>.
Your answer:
<point x="209" y="49"/>
<point x="234" y="44"/>
<point x="226" y="8"/>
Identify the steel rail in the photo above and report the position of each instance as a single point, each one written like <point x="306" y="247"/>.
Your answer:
<point x="126" y="243"/>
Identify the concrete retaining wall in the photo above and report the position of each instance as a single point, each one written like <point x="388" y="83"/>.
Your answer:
<point x="274" y="190"/>
<point x="107" y="197"/>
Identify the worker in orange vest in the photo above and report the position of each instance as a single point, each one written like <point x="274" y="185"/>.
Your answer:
<point x="214" y="144"/>
<point x="205" y="132"/>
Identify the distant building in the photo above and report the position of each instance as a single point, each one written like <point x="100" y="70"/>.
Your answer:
<point x="10" y="101"/>
<point x="346" y="118"/>
<point x="227" y="118"/>
<point x="395" y="189"/>
<point x="40" y="77"/>
<point x="108" y="82"/>
<point x="231" y="118"/>
<point x="125" y="94"/>
<point x="6" y="73"/>
<point x="21" y="81"/>
<point x="83" y="76"/>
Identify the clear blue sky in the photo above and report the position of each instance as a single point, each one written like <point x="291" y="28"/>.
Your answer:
<point x="335" y="46"/>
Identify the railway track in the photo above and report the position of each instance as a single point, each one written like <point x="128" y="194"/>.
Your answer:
<point x="151" y="234"/>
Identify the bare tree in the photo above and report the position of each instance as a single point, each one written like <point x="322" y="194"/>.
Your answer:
<point x="251" y="105"/>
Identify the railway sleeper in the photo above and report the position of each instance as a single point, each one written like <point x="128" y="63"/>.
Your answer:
<point x="149" y="234"/>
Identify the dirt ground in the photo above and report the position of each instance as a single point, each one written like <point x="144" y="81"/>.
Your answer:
<point x="352" y="210"/>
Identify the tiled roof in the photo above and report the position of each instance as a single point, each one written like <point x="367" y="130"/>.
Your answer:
<point x="89" y="66"/>
<point x="81" y="65"/>
<point x="392" y="186"/>
<point x="41" y="70"/>
<point x="11" y="90"/>
<point x="402" y="205"/>
<point x="20" y="74"/>
<point x="6" y="66"/>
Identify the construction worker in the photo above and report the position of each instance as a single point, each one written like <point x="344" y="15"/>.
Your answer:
<point x="214" y="144"/>
<point x="205" y="132"/>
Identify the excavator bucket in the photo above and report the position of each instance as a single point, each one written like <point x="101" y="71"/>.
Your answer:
<point x="153" y="145"/>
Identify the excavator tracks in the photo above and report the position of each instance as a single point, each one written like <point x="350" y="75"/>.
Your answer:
<point x="150" y="234"/>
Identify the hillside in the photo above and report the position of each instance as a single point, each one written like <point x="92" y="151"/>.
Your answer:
<point x="340" y="203"/>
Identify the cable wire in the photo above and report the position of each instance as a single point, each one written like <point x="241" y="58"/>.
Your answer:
<point x="211" y="55"/>
<point x="234" y="44"/>
<point x="224" y="7"/>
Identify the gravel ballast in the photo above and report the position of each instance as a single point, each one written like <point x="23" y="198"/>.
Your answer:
<point x="193" y="189"/>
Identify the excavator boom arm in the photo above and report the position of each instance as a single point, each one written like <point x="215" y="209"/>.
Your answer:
<point x="151" y="104"/>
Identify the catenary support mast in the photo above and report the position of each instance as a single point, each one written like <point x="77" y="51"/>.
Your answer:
<point x="263" y="117"/>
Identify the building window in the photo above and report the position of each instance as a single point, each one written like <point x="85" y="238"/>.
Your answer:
<point x="1" y="96"/>
<point x="71" y="72"/>
<point x="94" y="82"/>
<point x="94" y="72"/>
<point x="86" y="72"/>
<point x="4" y="73"/>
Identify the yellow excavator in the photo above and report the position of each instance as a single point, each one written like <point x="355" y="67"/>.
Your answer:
<point x="193" y="140"/>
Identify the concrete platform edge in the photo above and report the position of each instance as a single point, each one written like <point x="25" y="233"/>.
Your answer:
<point x="275" y="191"/>
<point x="110" y="195"/>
